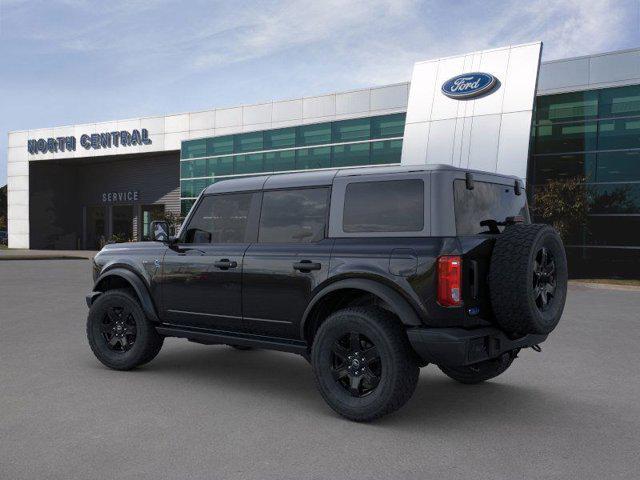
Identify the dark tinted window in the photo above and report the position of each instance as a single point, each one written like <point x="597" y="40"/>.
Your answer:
<point x="220" y="219"/>
<point x="487" y="201"/>
<point x="390" y="206"/>
<point x="294" y="216"/>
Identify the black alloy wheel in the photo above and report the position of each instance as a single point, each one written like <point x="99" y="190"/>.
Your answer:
<point x="119" y="328"/>
<point x="356" y="364"/>
<point x="544" y="279"/>
<point x="119" y="333"/>
<point x="363" y="363"/>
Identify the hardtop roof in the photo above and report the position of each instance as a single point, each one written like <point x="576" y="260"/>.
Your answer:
<point x="325" y="177"/>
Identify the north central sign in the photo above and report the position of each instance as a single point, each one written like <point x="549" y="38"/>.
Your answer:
<point x="93" y="141"/>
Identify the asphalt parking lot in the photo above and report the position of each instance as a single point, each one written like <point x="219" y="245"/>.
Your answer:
<point x="572" y="411"/>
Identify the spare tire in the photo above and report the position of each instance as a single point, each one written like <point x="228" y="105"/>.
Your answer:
<point x="528" y="279"/>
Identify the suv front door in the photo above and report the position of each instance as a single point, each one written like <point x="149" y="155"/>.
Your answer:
<point x="202" y="272"/>
<point x="290" y="259"/>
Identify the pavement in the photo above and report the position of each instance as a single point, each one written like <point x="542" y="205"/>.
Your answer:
<point x="211" y="412"/>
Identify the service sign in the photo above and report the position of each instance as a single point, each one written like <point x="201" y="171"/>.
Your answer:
<point x="469" y="85"/>
<point x="93" y="141"/>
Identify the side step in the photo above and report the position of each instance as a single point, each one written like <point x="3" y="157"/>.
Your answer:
<point x="213" y="337"/>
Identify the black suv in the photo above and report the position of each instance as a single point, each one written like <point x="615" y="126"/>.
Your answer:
<point x="369" y="273"/>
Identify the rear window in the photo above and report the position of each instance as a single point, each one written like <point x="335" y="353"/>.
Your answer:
<point x="487" y="201"/>
<point x="386" y="206"/>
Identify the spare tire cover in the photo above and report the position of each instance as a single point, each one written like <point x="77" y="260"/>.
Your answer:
<point x="528" y="279"/>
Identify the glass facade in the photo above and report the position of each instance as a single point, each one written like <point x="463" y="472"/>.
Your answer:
<point x="362" y="141"/>
<point x="593" y="136"/>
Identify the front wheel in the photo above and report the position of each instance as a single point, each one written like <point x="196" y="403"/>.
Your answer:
<point x="119" y="333"/>
<point x="480" y="372"/>
<point x="363" y="363"/>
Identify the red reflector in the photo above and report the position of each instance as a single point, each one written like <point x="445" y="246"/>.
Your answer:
<point x="449" y="280"/>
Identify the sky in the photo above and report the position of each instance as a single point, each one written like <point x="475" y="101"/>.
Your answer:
<point x="65" y="62"/>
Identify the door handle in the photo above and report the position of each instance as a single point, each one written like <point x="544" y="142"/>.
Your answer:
<point x="225" y="264"/>
<point x="306" y="266"/>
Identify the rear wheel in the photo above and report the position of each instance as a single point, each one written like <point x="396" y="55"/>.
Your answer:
<point x="119" y="333"/>
<point x="363" y="363"/>
<point x="480" y="372"/>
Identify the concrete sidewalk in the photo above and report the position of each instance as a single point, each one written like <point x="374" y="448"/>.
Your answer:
<point x="24" y="254"/>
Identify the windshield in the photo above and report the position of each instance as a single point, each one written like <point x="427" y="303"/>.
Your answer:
<point x="487" y="201"/>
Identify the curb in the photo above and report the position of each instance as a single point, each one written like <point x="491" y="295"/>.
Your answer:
<point x="40" y="257"/>
<point x="606" y="286"/>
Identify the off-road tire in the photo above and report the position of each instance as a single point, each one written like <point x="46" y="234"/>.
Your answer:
<point x="480" y="372"/>
<point x="513" y="280"/>
<point x="397" y="362"/>
<point x="147" y="341"/>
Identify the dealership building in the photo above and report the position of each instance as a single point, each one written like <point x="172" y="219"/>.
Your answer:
<point x="75" y="187"/>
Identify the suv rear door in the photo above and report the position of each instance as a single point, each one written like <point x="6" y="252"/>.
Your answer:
<point x="202" y="272"/>
<point x="290" y="258"/>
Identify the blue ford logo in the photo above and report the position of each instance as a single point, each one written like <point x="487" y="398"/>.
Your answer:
<point x="468" y="85"/>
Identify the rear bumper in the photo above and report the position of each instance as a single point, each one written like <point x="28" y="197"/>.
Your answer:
<point x="458" y="347"/>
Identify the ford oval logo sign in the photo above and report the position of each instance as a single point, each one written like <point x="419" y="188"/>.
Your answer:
<point x="469" y="85"/>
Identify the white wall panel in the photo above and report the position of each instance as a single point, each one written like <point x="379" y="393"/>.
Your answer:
<point x="18" y="139"/>
<point x="17" y="168"/>
<point x="614" y="67"/>
<point x="414" y="145"/>
<point x="228" y="130"/>
<point x="176" y="123"/>
<point x="494" y="62"/>
<point x="441" y="141"/>
<point x="173" y="141"/>
<point x="314" y="107"/>
<point x="287" y="111"/>
<point x="392" y="96"/>
<point x="514" y="143"/>
<point x="562" y="74"/>
<point x="228" y="117"/>
<point x="444" y="107"/>
<point x="422" y="92"/>
<point x="154" y="125"/>
<point x="253" y="114"/>
<point x="483" y="143"/>
<point x="17" y="154"/>
<point x="131" y="124"/>
<point x="210" y="132"/>
<point x="18" y="240"/>
<point x="352" y="102"/>
<point x="520" y="83"/>
<point x="19" y="226"/>
<point x="202" y="120"/>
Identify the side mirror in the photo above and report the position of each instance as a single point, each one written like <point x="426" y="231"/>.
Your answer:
<point x="160" y="231"/>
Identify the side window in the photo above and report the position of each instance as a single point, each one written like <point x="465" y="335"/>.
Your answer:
<point x="294" y="216"/>
<point x="384" y="206"/>
<point x="220" y="219"/>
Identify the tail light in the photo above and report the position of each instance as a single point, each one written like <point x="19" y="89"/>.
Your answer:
<point x="449" y="280"/>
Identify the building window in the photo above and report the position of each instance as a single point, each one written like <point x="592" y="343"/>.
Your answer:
<point x="280" y="138"/>
<point x="310" y="158"/>
<point x="315" y="134"/>
<point x="595" y="136"/>
<point x="350" y="155"/>
<point x="351" y="130"/>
